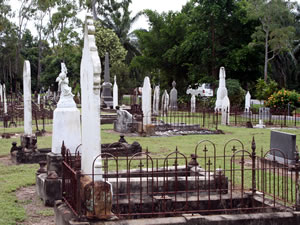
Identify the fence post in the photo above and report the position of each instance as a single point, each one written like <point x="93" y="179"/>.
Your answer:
<point x="78" y="200"/>
<point x="253" y="155"/>
<point x="297" y="169"/>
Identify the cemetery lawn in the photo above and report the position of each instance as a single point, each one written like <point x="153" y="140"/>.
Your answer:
<point x="13" y="177"/>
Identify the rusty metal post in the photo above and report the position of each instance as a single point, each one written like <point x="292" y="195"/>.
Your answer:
<point x="78" y="200"/>
<point x="253" y="155"/>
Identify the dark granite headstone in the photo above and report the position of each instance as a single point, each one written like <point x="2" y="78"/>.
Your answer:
<point x="286" y="143"/>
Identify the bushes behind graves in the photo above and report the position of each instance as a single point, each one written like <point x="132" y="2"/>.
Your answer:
<point x="236" y="93"/>
<point x="283" y="98"/>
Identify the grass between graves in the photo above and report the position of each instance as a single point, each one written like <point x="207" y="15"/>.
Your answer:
<point x="14" y="177"/>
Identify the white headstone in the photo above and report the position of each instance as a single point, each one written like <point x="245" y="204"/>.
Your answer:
<point x="222" y="90"/>
<point x="115" y="93"/>
<point x="225" y="111"/>
<point x="1" y="93"/>
<point x="4" y="99"/>
<point x="27" y="98"/>
<point x="173" y="97"/>
<point x="39" y="99"/>
<point x="156" y="100"/>
<point x="90" y="70"/>
<point x="146" y="101"/>
<point x="247" y="102"/>
<point x="66" y="117"/>
<point x="194" y="93"/>
<point x="165" y="103"/>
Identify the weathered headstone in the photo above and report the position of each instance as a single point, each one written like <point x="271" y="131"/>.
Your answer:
<point x="156" y="100"/>
<point x="1" y="94"/>
<point x="222" y="90"/>
<point x="90" y="70"/>
<point x="115" y="93"/>
<point x="124" y="121"/>
<point x="146" y="101"/>
<point x="27" y="98"/>
<point x="194" y="93"/>
<point x="247" y="102"/>
<point x="4" y="99"/>
<point x="173" y="97"/>
<point x="165" y="103"/>
<point x="225" y="111"/>
<point x="286" y="143"/>
<point x="66" y="117"/>
<point x="106" y="86"/>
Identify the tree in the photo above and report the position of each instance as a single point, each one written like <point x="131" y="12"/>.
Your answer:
<point x="274" y="30"/>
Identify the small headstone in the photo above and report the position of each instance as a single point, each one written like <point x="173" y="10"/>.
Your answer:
<point x="165" y="103"/>
<point x="39" y="99"/>
<point x="124" y="121"/>
<point x="156" y="100"/>
<point x="247" y="102"/>
<point x="146" y="101"/>
<point x="260" y="124"/>
<point x="222" y="90"/>
<point x="115" y="93"/>
<point x="286" y="143"/>
<point x="4" y="99"/>
<point x="225" y="111"/>
<point x="106" y="86"/>
<point x="173" y="97"/>
<point x="27" y="98"/>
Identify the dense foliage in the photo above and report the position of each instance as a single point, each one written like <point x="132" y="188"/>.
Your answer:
<point x="284" y="99"/>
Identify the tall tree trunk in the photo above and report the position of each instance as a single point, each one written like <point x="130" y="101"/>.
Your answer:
<point x="213" y="49"/>
<point x="38" y="78"/>
<point x="266" y="56"/>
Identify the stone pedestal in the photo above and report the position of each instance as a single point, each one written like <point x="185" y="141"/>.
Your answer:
<point x="66" y="127"/>
<point x="106" y="94"/>
<point x="54" y="163"/>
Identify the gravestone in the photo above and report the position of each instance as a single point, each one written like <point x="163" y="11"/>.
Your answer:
<point x="115" y="93"/>
<point x="1" y="93"/>
<point x="90" y="71"/>
<point x="4" y="99"/>
<point x="66" y="117"/>
<point x="264" y="113"/>
<point x="194" y="93"/>
<point x="156" y="100"/>
<point x="247" y="102"/>
<point x="27" y="99"/>
<point x="165" y="103"/>
<point x="286" y="143"/>
<point x="173" y="97"/>
<point x="146" y="102"/>
<point x="39" y="99"/>
<point x="106" y="86"/>
<point x="225" y="111"/>
<point x="123" y="124"/>
<point x="222" y="90"/>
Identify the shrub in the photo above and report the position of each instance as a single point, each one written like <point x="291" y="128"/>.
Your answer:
<point x="282" y="98"/>
<point x="236" y="93"/>
<point x="265" y="89"/>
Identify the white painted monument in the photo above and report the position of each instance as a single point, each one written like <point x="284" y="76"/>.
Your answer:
<point x="225" y="111"/>
<point x="156" y="100"/>
<point x="66" y="117"/>
<point x="222" y="90"/>
<point x="4" y="99"/>
<point x="165" y="103"/>
<point x="90" y="70"/>
<point x="115" y="93"/>
<point x="146" y="101"/>
<point x="39" y="99"/>
<point x="1" y="93"/>
<point x="247" y="102"/>
<point x="27" y="98"/>
<point x="194" y="93"/>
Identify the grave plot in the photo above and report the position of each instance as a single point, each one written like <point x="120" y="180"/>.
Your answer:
<point x="147" y="186"/>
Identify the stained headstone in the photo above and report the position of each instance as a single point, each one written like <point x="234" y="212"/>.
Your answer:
<point x="222" y="90"/>
<point x="115" y="93"/>
<point x="106" y="86"/>
<point x="146" y="101"/>
<point x="66" y="117"/>
<point x="247" y="102"/>
<point x="156" y="100"/>
<point x="165" y="103"/>
<point x="124" y="121"/>
<point x="90" y="70"/>
<point x="225" y="111"/>
<point x="173" y="97"/>
<point x="194" y="93"/>
<point x="286" y="143"/>
<point x="27" y="98"/>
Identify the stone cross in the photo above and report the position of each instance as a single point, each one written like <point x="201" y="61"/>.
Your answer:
<point x="247" y="102"/>
<point x="156" y="100"/>
<point x="146" y="101"/>
<point x="222" y="90"/>
<point x="115" y="93"/>
<point x="165" y="103"/>
<point x="225" y="111"/>
<point x="194" y="93"/>
<point x="27" y="98"/>
<point x="4" y="99"/>
<point x="90" y="71"/>
<point x="173" y="97"/>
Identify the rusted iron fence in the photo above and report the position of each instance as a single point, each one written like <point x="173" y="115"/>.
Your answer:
<point x="207" y="182"/>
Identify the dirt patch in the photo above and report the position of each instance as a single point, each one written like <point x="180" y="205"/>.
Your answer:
<point x="37" y="213"/>
<point x="5" y="160"/>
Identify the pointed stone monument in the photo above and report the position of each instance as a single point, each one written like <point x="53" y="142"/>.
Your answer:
<point x="146" y="101"/>
<point x="106" y="86"/>
<point x="173" y="97"/>
<point x="222" y="90"/>
<point x="66" y="117"/>
<point x="156" y="100"/>
<point x="165" y="103"/>
<point x="115" y="93"/>
<point x="27" y="99"/>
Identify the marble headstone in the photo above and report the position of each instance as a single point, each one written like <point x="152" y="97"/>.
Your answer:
<point x="146" y="101"/>
<point x="173" y="97"/>
<point x="165" y="103"/>
<point x="1" y="93"/>
<point x="225" y="111"/>
<point x="27" y="98"/>
<point x="4" y="99"/>
<point x="115" y="93"/>
<point x="123" y="122"/>
<point x="247" y="102"/>
<point x="222" y="90"/>
<point x="156" y="100"/>
<point x="106" y="86"/>
<point x="90" y="71"/>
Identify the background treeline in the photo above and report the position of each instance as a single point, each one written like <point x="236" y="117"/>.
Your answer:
<point x="252" y="39"/>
